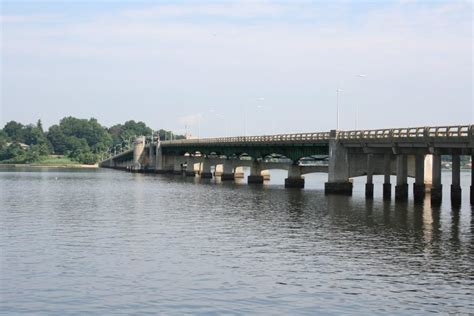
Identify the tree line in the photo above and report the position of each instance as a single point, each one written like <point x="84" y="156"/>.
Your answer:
<point x="82" y="140"/>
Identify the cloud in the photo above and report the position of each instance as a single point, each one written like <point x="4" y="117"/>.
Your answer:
<point x="26" y="19"/>
<point x="217" y="54"/>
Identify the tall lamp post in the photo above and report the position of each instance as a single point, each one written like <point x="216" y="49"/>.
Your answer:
<point x="337" y="107"/>
<point x="355" y="105"/>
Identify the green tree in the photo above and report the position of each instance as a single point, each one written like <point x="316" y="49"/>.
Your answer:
<point x="15" y="131"/>
<point x="4" y="139"/>
<point x="57" y="139"/>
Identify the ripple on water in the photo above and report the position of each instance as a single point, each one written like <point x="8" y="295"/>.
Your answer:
<point x="105" y="242"/>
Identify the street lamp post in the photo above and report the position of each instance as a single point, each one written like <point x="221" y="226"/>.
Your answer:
<point x="337" y="107"/>
<point x="355" y="106"/>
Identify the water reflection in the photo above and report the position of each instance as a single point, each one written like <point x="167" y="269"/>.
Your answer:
<point x="163" y="244"/>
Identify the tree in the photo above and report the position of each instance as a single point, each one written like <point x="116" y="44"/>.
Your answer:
<point x="15" y="131"/>
<point x="57" y="139"/>
<point x="4" y="139"/>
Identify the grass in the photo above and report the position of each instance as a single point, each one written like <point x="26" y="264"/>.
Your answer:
<point x="56" y="160"/>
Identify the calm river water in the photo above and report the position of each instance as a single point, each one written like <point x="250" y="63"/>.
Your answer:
<point x="101" y="242"/>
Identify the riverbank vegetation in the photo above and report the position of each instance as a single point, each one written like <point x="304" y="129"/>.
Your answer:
<point x="72" y="140"/>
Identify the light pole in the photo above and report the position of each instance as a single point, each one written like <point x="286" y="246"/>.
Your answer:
<point x="355" y="106"/>
<point x="199" y="125"/>
<point x="245" y="120"/>
<point x="337" y="107"/>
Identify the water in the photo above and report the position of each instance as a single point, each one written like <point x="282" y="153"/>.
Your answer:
<point x="107" y="242"/>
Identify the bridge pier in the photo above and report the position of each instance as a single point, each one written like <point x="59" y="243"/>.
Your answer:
<point x="228" y="172"/>
<point x="239" y="172"/>
<point x="387" y="186"/>
<point x="456" y="180"/>
<point x="369" y="186"/>
<point x="294" y="180"/>
<point x="205" y="171"/>
<point x="338" y="176"/>
<point x="218" y="170"/>
<point x="419" y="185"/>
<point x="472" y="180"/>
<point x="437" y="188"/>
<point x="190" y="171"/>
<point x="138" y="149"/>
<point x="177" y="165"/>
<point x="255" y="176"/>
<point x="401" y="189"/>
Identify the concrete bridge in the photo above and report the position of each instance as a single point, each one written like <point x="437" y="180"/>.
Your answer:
<point x="404" y="152"/>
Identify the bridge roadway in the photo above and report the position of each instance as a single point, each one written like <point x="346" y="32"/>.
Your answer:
<point x="404" y="152"/>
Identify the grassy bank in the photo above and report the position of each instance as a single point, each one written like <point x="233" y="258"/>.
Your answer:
<point x="53" y="161"/>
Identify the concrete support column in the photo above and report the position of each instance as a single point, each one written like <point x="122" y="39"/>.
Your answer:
<point x="419" y="185"/>
<point x="177" y="165"/>
<point x="152" y="157"/>
<point x="294" y="180"/>
<point x="239" y="172"/>
<point x="219" y="170"/>
<point x="387" y="186"/>
<point x="159" y="158"/>
<point x="338" y="176"/>
<point x="190" y="167"/>
<point x="437" y="188"/>
<point x="456" y="183"/>
<point x="138" y="148"/>
<point x="228" y="171"/>
<point x="255" y="176"/>
<point x="428" y="172"/>
<point x="401" y="189"/>
<point x="369" y="186"/>
<point x="205" y="171"/>
<point x="472" y="180"/>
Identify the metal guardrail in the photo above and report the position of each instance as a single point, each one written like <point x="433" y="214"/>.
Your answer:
<point x="441" y="133"/>
<point x="282" y="138"/>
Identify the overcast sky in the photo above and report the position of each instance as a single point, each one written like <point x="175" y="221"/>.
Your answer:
<point x="267" y="66"/>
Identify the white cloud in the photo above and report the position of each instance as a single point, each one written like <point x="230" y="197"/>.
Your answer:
<point x="219" y="54"/>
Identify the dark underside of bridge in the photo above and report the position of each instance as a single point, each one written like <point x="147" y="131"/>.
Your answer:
<point x="293" y="151"/>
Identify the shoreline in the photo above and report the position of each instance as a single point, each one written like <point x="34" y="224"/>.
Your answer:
<point x="39" y="165"/>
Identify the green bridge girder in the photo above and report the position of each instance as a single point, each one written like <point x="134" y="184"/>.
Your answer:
<point x="292" y="151"/>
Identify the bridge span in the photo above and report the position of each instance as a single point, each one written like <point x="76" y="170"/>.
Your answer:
<point x="404" y="152"/>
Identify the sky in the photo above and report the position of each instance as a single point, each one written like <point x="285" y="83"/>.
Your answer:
<point x="221" y="68"/>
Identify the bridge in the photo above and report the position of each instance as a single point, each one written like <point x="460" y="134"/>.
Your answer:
<point x="405" y="152"/>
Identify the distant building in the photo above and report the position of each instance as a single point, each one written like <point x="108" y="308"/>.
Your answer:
<point x="22" y="145"/>
<point x="189" y="136"/>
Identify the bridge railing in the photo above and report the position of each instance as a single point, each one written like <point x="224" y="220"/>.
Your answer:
<point x="411" y="134"/>
<point x="281" y="138"/>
